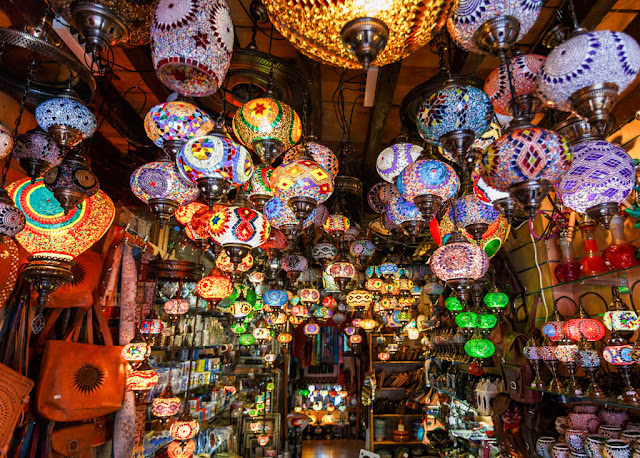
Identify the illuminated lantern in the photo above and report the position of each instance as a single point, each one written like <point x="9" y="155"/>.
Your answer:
<point x="413" y="333"/>
<point x="66" y="119"/>
<point x="587" y="328"/>
<point x="322" y="313"/>
<point x="238" y="328"/>
<point x="479" y="348"/>
<point x="453" y="304"/>
<point x="362" y="250"/>
<point x="395" y="158"/>
<point x="259" y="186"/>
<point x="152" y="325"/>
<point x="496" y="300"/>
<point x="176" y="307"/>
<point x="214" y="287"/>
<point x="166" y="405"/>
<point x="171" y="124"/>
<point x="297" y="320"/>
<point x="191" y="45"/>
<point x="246" y="340"/>
<point x="474" y="215"/>
<point x="36" y="151"/>
<point x="142" y="379"/>
<point x="276" y="242"/>
<point x="263" y="440"/>
<point x="324" y="253"/>
<point x="261" y="333"/>
<point x="320" y="153"/>
<point x="294" y="264"/>
<point x="268" y="127"/>
<point x="355" y="339"/>
<point x="343" y="272"/>
<point x="184" y="428"/>
<point x="282" y="217"/>
<point x="285" y="338"/>
<point x="359" y="299"/>
<point x="309" y="295"/>
<point x="311" y="329"/>
<point x="181" y="450"/>
<point x="467" y="320"/>
<point x="487" y="321"/>
<point x="459" y="264"/>
<point x="368" y="324"/>
<point x="269" y="358"/>
<point x="300" y="311"/>
<point x="336" y="225"/>
<point x="388" y="269"/>
<point x="329" y="302"/>
<point x="136" y="351"/>
<point x="275" y="298"/>
<point x="350" y="330"/>
<point x="619" y="355"/>
<point x="407" y="215"/>
<point x="383" y="356"/>
<point x="53" y="238"/>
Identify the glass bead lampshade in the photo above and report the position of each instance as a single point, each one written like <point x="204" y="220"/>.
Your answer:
<point x="141" y="380"/>
<point x="567" y="353"/>
<point x="479" y="348"/>
<point x="321" y="215"/>
<point x="329" y="302"/>
<point x="337" y="225"/>
<point x="281" y="216"/>
<point x="472" y="24"/>
<point x="238" y="230"/>
<point x="618" y="355"/>
<point x="185" y="213"/>
<point x="285" y="338"/>
<point x="355" y="34"/>
<point x="483" y="191"/>
<point x="407" y="215"/>
<point x="12" y="220"/>
<point x="621" y="320"/>
<point x="151" y="325"/>
<point x="374" y="284"/>
<point x="184" y="428"/>
<point x="428" y="183"/>
<point x="467" y="320"/>
<point x="275" y="242"/>
<point x="214" y="287"/>
<point x="601" y="176"/>
<point x="191" y="45"/>
<point x="395" y="158"/>
<point x="36" y="151"/>
<point x="459" y="264"/>
<point x="6" y="141"/>
<point x="158" y="185"/>
<point x="311" y="329"/>
<point x="524" y="71"/>
<point x="324" y="253"/>
<point x="67" y="120"/>
<point x="586" y="73"/>
<point x="166" y="405"/>
<point x="176" y="123"/>
<point x="246" y="340"/>
<point x="359" y="299"/>
<point x="588" y="328"/>
<point x="368" y="324"/>
<point x="268" y="127"/>
<point x="474" y="215"/>
<point x="178" y="449"/>
<point x="176" y="307"/>
<point x="355" y="339"/>
<point x="54" y="238"/>
<point x="309" y="296"/>
<point x="319" y="153"/>
<point x="302" y="184"/>
<point x="338" y="318"/>
<point x="526" y="162"/>
<point x="215" y="164"/>
<point x="256" y="277"/>
<point x="276" y="298"/>
<point x="343" y="272"/>
<point x="453" y="116"/>
<point x="322" y="314"/>
<point x="362" y="250"/>
<point x="388" y="269"/>
<point x="487" y="321"/>
<point x="294" y="264"/>
<point x="259" y="186"/>
<point x="136" y="351"/>
<point x="496" y="300"/>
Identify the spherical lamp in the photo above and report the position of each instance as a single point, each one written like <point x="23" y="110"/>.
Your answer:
<point x="459" y="264"/>
<point x="259" y="186"/>
<point x="395" y="158"/>
<point x="319" y="153"/>
<point x="214" y="287"/>
<point x="294" y="264"/>
<point x="407" y="215"/>
<point x="281" y="216"/>
<point x="359" y="299"/>
<point x="342" y="271"/>
<point x="362" y="250"/>
<point x="324" y="253"/>
<point x="36" y="151"/>
<point x="171" y="124"/>
<point x="67" y="120"/>
<point x="474" y="215"/>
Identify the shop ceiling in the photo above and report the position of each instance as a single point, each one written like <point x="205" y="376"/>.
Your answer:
<point x="125" y="94"/>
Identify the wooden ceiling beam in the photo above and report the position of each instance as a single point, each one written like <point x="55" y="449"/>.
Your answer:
<point x="387" y="82"/>
<point x="140" y="58"/>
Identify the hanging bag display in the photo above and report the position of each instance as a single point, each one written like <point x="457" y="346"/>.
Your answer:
<point x="73" y="441"/>
<point x="80" y="381"/>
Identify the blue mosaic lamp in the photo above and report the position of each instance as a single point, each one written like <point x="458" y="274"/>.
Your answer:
<point x="474" y="215"/>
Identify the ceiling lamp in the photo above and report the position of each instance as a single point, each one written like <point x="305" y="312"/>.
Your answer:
<point x="214" y="287"/>
<point x="601" y="176"/>
<point x="337" y="225"/>
<point x="527" y="162"/>
<point x="239" y="229"/>
<point x="501" y="201"/>
<point x="496" y="301"/>
<point x="282" y="217"/>
<point x="324" y="253"/>
<point x="407" y="215"/>
<point x="311" y="329"/>
<point x="362" y="250"/>
<point x="166" y="405"/>
<point x="394" y="158"/>
<point x="54" y="238"/>
<point x="191" y="45"/>
<point x="294" y="264"/>
<point x="223" y="262"/>
<point x="491" y="26"/>
<point x="459" y="264"/>
<point x="474" y="215"/>
<point x="310" y="296"/>
<point x="158" y="185"/>
<point x="170" y="125"/>
<point x="319" y="153"/>
<point x="215" y="163"/>
<point x="302" y="184"/>
<point x="586" y="73"/>
<point x="259" y="190"/>
<point x="268" y="127"/>
<point x="428" y="183"/>
<point x="176" y="307"/>
<point x="355" y="34"/>
<point x="359" y="299"/>
<point x="524" y="71"/>
<point x="36" y="151"/>
<point x="453" y="116"/>
<point x="184" y="428"/>
<point x="275" y="242"/>
<point x="342" y="271"/>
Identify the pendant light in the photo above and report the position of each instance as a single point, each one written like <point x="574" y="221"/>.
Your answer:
<point x="407" y="215"/>
<point x="396" y="157"/>
<point x="36" y="151"/>
<point x="259" y="188"/>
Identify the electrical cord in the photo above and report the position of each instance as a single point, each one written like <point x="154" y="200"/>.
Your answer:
<point x="544" y="300"/>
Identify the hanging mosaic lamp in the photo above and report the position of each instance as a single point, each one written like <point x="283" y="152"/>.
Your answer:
<point x="259" y="186"/>
<point x="432" y="288"/>
<point x="527" y="162"/>
<point x="618" y="318"/>
<point x="491" y="26"/>
<point x="142" y="380"/>
<point x="302" y="184"/>
<point x="395" y="158"/>
<point x="184" y="428"/>
<point x="342" y="272"/>
<point x="151" y="326"/>
<point x="453" y="116"/>
<point x="285" y="338"/>
<point x="453" y="304"/>
<point x="214" y="287"/>
<point x="474" y="215"/>
<point x="459" y="264"/>
<point x="166" y="405"/>
<point x="54" y="238"/>
<point x="36" y="151"/>
<point x="496" y="301"/>
<point x="275" y="298"/>
<point x="359" y="299"/>
<point x="524" y="71"/>
<point x="362" y="250"/>
<point x="170" y="125"/>
<point x="501" y="201"/>
<point x="238" y="230"/>
<point x="479" y="348"/>
<point x="407" y="215"/>
<point x="294" y="264"/>
<point x="324" y="253"/>
<point x="191" y="45"/>
<point x="268" y="127"/>
<point x="215" y="164"/>
<point x="136" y="351"/>
<point x="275" y="242"/>
<point x="427" y="184"/>
<point x="337" y="225"/>
<point x="12" y="220"/>
<point x="6" y="141"/>
<point x="224" y="263"/>
<point x="355" y="34"/>
<point x="310" y="295"/>
<point x="176" y="307"/>
<point x="586" y="73"/>
<point x="319" y="153"/>
<point x="281" y="216"/>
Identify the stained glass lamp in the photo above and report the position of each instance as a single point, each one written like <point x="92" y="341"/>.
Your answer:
<point x="176" y="307"/>
<point x="191" y="45"/>
<point x="324" y="253"/>
<point x="486" y="322"/>
<point x="428" y="183"/>
<point x="53" y="238"/>
<point x="136" y="351"/>
<point x="524" y="71"/>
<point x="142" y="380"/>
<point x="601" y="176"/>
<point x="407" y="215"/>
<point x="260" y="186"/>
<point x="302" y="184"/>
<point x="267" y="126"/>
<point x="362" y="250"/>
<point x="527" y="162"/>
<point x="166" y="405"/>
<point x="319" y="153"/>
<point x="619" y="319"/>
<point x="467" y="320"/>
<point x="238" y="230"/>
<point x="246" y="340"/>
<point x="224" y="263"/>
<point x="496" y="301"/>
<point x="215" y="164"/>
<point x="501" y="200"/>
<point x="281" y="216"/>
<point x="309" y="296"/>
<point x="184" y="428"/>
<point x="275" y="242"/>
<point x="311" y="329"/>
<point x="275" y="298"/>
<point x="432" y="288"/>
<point x="342" y="271"/>
<point x="359" y="299"/>
<point x="453" y="116"/>
<point x="474" y="215"/>
<point x="6" y="141"/>
<point x="356" y="34"/>
<point x="479" y="348"/>
<point x="602" y="64"/>
<point x="395" y="158"/>
<point x="158" y="185"/>
<point x="36" y="151"/>
<point x="294" y="264"/>
<point x="337" y="225"/>
<point x="12" y="220"/>
<point x="214" y="287"/>
<point x="171" y="124"/>
<point x="459" y="264"/>
<point x="67" y="120"/>
<point x="285" y="338"/>
<point x="491" y="26"/>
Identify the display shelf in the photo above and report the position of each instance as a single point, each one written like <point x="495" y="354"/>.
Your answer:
<point x="413" y="442"/>
<point x="396" y="415"/>
<point x="390" y="388"/>
<point x="610" y="402"/>
<point x="398" y="362"/>
<point x="464" y="367"/>
<point x="612" y="278"/>
<point x="197" y="347"/>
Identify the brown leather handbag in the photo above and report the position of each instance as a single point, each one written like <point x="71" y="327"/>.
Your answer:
<point x="80" y="381"/>
<point x="73" y="441"/>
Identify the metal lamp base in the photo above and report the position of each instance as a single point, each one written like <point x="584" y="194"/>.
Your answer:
<point x="33" y="167"/>
<point x="365" y="37"/>
<point x="236" y="252"/>
<point x="47" y="274"/>
<point x="302" y="207"/>
<point x="507" y="207"/>
<point x="477" y="230"/>
<point x="461" y="286"/>
<point x="497" y="35"/>
<point x="594" y="103"/>
<point x="172" y="147"/>
<point x="163" y="209"/>
<point x="268" y="149"/>
<point x="259" y="200"/>
<point x="428" y="204"/>
<point x="413" y="228"/>
<point x="458" y="142"/>
<point x="291" y="232"/>
<point x="212" y="189"/>
<point x="603" y="213"/>
<point x="100" y="26"/>
<point x="65" y="137"/>
<point x="530" y="194"/>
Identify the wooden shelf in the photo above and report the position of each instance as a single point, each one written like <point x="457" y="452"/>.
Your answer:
<point x="414" y="442"/>
<point x="568" y="398"/>
<point x="397" y="414"/>
<point x="397" y="362"/>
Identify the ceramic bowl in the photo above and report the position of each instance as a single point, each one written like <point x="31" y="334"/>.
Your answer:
<point x="588" y="421"/>
<point x="612" y="432"/>
<point x="544" y="446"/>
<point x="632" y="437"/>
<point x="615" y="448"/>
<point x="632" y="426"/>
<point x="613" y="417"/>
<point x="560" y="451"/>
<point x="576" y="439"/>
<point x="595" y="445"/>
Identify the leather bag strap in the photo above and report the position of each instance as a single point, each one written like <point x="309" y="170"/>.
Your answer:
<point x="531" y="323"/>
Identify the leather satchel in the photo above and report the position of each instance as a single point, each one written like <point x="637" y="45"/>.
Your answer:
<point x="73" y="441"/>
<point x="80" y="381"/>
